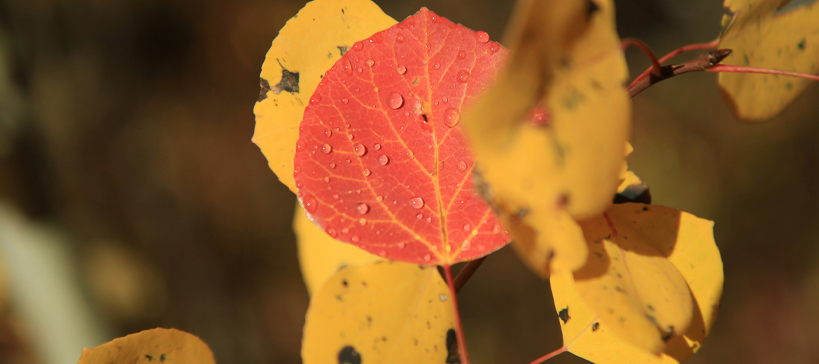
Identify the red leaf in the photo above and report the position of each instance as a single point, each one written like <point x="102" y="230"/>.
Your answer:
<point x="381" y="162"/>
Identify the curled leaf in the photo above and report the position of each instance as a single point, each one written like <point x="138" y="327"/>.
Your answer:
<point x="321" y="256"/>
<point x="308" y="45"/>
<point x="761" y="36"/>
<point x="387" y="312"/>
<point x="382" y="161"/>
<point x="160" y="345"/>
<point x="566" y="56"/>
<point x="681" y="239"/>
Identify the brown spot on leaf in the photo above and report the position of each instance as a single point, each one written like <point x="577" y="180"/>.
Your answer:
<point x="265" y="86"/>
<point x="342" y="49"/>
<point x="289" y="82"/>
<point x="452" y="356"/>
<point x="564" y="315"/>
<point x="596" y="326"/>
<point x="348" y="355"/>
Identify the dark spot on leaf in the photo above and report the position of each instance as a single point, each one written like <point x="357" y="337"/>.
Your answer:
<point x="645" y="208"/>
<point x="342" y="10"/>
<point x="415" y="81"/>
<point x="342" y="49"/>
<point x="329" y="55"/>
<point x="596" y="326"/>
<point x="620" y="289"/>
<point x="453" y="356"/>
<point x="562" y="201"/>
<point x="369" y="321"/>
<point x="344" y="283"/>
<point x="348" y="355"/>
<point x="650" y="307"/>
<point x="788" y="86"/>
<point x="265" y="86"/>
<point x="801" y="45"/>
<point x="289" y="82"/>
<point x="442" y="273"/>
<point x="424" y="116"/>
<point x="150" y="358"/>
<point x="591" y="8"/>
<point x="564" y="315"/>
<point x="364" y="283"/>
<point x="747" y="61"/>
<point x="338" y="297"/>
<point x="162" y="358"/>
<point x="667" y="335"/>
<point x="639" y="193"/>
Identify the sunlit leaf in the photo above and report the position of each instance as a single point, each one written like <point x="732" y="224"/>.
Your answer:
<point x="381" y="159"/>
<point x="388" y="312"/>
<point x="156" y="345"/>
<point x="566" y="56"/>
<point x="308" y="45"/>
<point x="760" y="36"/>
<point x="680" y="238"/>
<point x="548" y="243"/>
<point x="320" y="256"/>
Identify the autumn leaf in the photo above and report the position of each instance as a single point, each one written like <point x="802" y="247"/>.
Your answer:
<point x="762" y="37"/>
<point x="321" y="256"/>
<point x="600" y="326"/>
<point x="387" y="312"/>
<point x="382" y="162"/>
<point x="566" y="56"/>
<point x="308" y="45"/>
<point x="161" y="345"/>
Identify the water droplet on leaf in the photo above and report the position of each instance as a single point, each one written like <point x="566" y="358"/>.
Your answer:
<point x="395" y="100"/>
<point x="383" y="160"/>
<point x="315" y="99"/>
<point x="416" y="203"/>
<point x="463" y="76"/>
<point x="326" y="148"/>
<point x="452" y="117"/>
<point x="309" y="203"/>
<point x="357" y="46"/>
<point x="359" y="149"/>
<point x="362" y="208"/>
<point x="366" y="172"/>
<point x="482" y="37"/>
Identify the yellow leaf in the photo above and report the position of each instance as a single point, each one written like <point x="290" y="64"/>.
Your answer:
<point x="566" y="56"/>
<point x="387" y="312"/>
<point x="761" y="37"/>
<point x="548" y="243"/>
<point x="686" y="242"/>
<point x="160" y="345"/>
<point x="308" y="45"/>
<point x="321" y="256"/>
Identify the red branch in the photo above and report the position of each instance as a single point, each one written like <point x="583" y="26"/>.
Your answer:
<point x="691" y="47"/>
<point x="655" y="64"/>
<point x="550" y="355"/>
<point x="459" y="329"/>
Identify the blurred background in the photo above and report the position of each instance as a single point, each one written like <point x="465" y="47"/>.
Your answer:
<point x="131" y="196"/>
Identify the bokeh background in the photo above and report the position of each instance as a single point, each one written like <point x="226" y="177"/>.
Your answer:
<point x="131" y="196"/>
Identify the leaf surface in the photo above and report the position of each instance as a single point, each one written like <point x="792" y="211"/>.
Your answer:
<point x="381" y="159"/>
<point x="683" y="240"/>
<point x="762" y="37"/>
<point x="387" y="312"/>
<point x="156" y="345"/>
<point x="321" y="256"/>
<point x="307" y="46"/>
<point x="566" y="56"/>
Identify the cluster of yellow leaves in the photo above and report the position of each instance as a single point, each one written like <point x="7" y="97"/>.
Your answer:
<point x="762" y="37"/>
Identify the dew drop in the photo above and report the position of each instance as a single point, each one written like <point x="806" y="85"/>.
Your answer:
<point x="383" y="160"/>
<point x="348" y="68"/>
<point x="326" y="179"/>
<point x="395" y="100"/>
<point x="359" y="70"/>
<point x="328" y="132"/>
<point x="348" y="160"/>
<point x="424" y="61"/>
<point x="359" y="149"/>
<point x="436" y="66"/>
<point x="445" y="99"/>
<point x="419" y="216"/>
<point x="467" y="227"/>
<point x="401" y="69"/>
<point x="427" y="257"/>
<point x="370" y="63"/>
<point x="402" y="245"/>
<point x="345" y="230"/>
<point x="355" y="239"/>
<point x="362" y="208"/>
<point x="357" y="46"/>
<point x="366" y="172"/>
<point x="377" y="146"/>
<point x="300" y="145"/>
<point x="451" y="117"/>
<point x="326" y="148"/>
<point x="466" y="245"/>
<point x="350" y="136"/>
<point x="442" y="297"/>
<point x="463" y="76"/>
<point x="309" y="203"/>
<point x="400" y="38"/>
<point x="379" y="198"/>
<point x="335" y="196"/>
<point x="315" y="99"/>
<point x="382" y="253"/>
<point x="357" y="89"/>
<point x="332" y="165"/>
<point x="461" y="55"/>
<point x="416" y="203"/>
<point x="332" y="232"/>
<point x="462" y="165"/>
<point x="345" y="101"/>
<point x="482" y="37"/>
<point x="375" y="89"/>
<point x="429" y="219"/>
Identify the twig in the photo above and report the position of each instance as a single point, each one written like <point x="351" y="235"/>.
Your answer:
<point x="459" y="334"/>
<point x="701" y="63"/>
<point x="655" y="64"/>
<point x="691" y="47"/>
<point x="550" y="355"/>
<point x="466" y="273"/>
